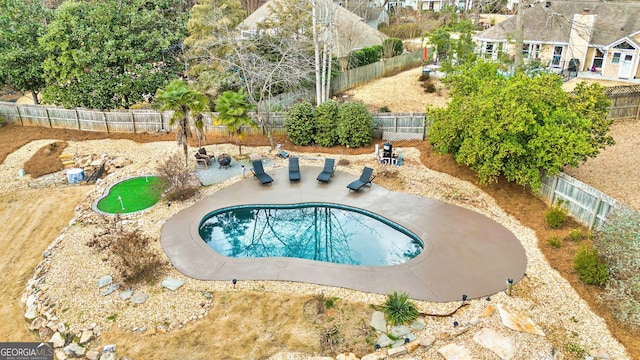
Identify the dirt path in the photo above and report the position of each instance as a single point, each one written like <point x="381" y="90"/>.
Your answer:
<point x="31" y="220"/>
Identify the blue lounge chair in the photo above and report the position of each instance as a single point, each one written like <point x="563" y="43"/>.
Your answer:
<point x="366" y="178"/>
<point x="294" y="169"/>
<point x="258" y="171"/>
<point x="327" y="172"/>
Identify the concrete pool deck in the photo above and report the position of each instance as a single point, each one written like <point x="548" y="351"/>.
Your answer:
<point x="465" y="252"/>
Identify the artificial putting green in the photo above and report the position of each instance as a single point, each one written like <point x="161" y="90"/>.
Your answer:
<point x="136" y="193"/>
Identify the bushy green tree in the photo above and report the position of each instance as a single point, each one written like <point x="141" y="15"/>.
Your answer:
<point x="326" y="122"/>
<point x="233" y="108"/>
<point x="355" y="125"/>
<point x="618" y="242"/>
<point x="518" y="126"/>
<point x="300" y="123"/>
<point x="22" y="22"/>
<point x="112" y="54"/>
<point x="186" y="104"/>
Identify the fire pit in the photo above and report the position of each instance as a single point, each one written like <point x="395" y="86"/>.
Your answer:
<point x="224" y="160"/>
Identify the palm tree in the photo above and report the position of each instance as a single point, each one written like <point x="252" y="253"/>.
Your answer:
<point x="186" y="103"/>
<point x="233" y="108"/>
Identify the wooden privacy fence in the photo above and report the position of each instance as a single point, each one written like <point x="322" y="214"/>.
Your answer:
<point x="625" y="102"/>
<point x="412" y="125"/>
<point x="364" y="74"/>
<point x="586" y="204"/>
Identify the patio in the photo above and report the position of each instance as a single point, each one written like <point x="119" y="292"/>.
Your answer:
<point x="464" y="252"/>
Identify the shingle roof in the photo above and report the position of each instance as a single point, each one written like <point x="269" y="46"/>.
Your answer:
<point x="552" y="24"/>
<point x="360" y="34"/>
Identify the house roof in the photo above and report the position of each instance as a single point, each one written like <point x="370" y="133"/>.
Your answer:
<point x="346" y="24"/>
<point x="552" y="24"/>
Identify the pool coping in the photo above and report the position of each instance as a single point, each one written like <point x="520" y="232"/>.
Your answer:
<point x="475" y="260"/>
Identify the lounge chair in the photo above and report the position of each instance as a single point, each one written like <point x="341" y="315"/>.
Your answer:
<point x="328" y="170"/>
<point x="366" y="178"/>
<point x="258" y="171"/>
<point x="294" y="169"/>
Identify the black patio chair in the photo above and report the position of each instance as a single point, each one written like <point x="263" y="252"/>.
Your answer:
<point x="366" y="178"/>
<point x="327" y="171"/>
<point x="258" y="171"/>
<point x="294" y="169"/>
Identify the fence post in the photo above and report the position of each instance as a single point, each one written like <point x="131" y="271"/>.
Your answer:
<point x="75" y="111"/>
<point x="46" y="112"/>
<point x="595" y="213"/>
<point x="106" y="124"/>
<point x="553" y="189"/>
<point x="133" y="121"/>
<point x="19" y="115"/>
<point x="638" y="109"/>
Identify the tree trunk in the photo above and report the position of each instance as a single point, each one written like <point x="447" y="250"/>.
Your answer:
<point x="519" y="33"/>
<point x="34" y="94"/>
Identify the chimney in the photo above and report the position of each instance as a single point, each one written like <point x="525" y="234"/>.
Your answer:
<point x="585" y="11"/>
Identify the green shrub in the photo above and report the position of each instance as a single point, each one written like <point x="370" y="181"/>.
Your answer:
<point x="1" y="122"/>
<point x="591" y="270"/>
<point x="399" y="310"/>
<point x="365" y="56"/>
<point x="392" y="47"/>
<point x="429" y="87"/>
<point x="575" y="234"/>
<point x="556" y="216"/>
<point x="355" y="125"/>
<point x="384" y="109"/>
<point x="555" y="242"/>
<point x="326" y="122"/>
<point x="300" y="124"/>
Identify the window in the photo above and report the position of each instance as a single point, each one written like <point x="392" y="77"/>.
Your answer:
<point x="535" y="51"/>
<point x="597" y="59"/>
<point x="488" y="50"/>
<point x="557" y="56"/>
<point x="526" y="48"/>
<point x="615" y="59"/>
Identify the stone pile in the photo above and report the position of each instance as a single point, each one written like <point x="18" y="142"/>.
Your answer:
<point x="398" y="341"/>
<point x="91" y="163"/>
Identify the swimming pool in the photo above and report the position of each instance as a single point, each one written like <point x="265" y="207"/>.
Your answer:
<point x="315" y="231"/>
<point x="464" y="251"/>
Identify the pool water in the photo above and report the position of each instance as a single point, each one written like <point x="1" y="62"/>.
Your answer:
<point x="132" y="195"/>
<point x="322" y="232"/>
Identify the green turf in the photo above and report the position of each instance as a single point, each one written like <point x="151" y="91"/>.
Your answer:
<point x="137" y="194"/>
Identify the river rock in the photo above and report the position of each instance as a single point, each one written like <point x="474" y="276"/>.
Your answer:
<point x="57" y="340"/>
<point x="503" y="346"/>
<point x="517" y="321"/>
<point x="378" y="322"/>
<point x="104" y="281"/>
<point x="74" y="350"/>
<point x="172" y="284"/>
<point x="455" y="352"/>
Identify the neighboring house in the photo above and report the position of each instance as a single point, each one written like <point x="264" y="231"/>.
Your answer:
<point x="601" y="37"/>
<point x="350" y="32"/>
<point x="433" y="5"/>
<point x="367" y="11"/>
